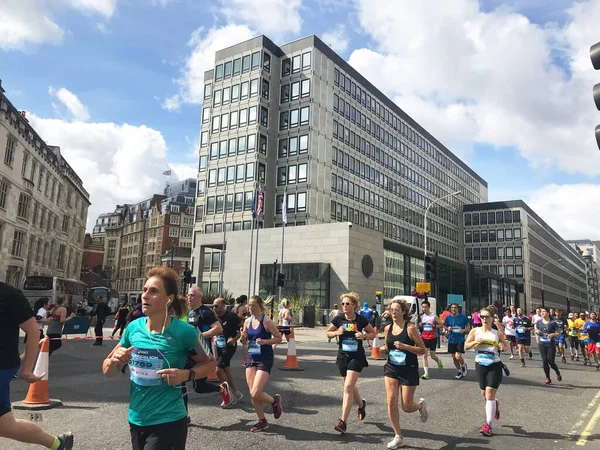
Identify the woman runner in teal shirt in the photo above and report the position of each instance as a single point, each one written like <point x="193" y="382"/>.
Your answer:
<point x="155" y="348"/>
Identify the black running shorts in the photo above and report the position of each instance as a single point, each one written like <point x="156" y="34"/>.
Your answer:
<point x="170" y="435"/>
<point x="224" y="356"/>
<point x="407" y="376"/>
<point x="489" y="376"/>
<point x="355" y="363"/>
<point x="430" y="344"/>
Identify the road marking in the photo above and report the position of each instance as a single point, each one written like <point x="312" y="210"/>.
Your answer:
<point x="582" y="437"/>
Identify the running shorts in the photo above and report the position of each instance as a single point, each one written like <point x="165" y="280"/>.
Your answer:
<point x="430" y="344"/>
<point x="407" y="376"/>
<point x="6" y="377"/>
<point x="264" y="364"/>
<point x="583" y="345"/>
<point x="489" y="376"/>
<point x="224" y="356"/>
<point x="573" y="342"/>
<point x="171" y="435"/>
<point x="456" y="348"/>
<point x="593" y="347"/>
<point x="562" y="339"/>
<point x="509" y="338"/>
<point x="355" y="363"/>
<point x="526" y="341"/>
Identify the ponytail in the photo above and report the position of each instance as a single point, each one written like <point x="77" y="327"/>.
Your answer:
<point x="180" y="306"/>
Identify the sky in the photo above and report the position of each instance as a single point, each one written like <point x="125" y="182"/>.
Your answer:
<point x="506" y="85"/>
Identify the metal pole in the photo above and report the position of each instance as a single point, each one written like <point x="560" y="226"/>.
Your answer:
<point x="256" y="257"/>
<point x="250" y="263"/>
<point x="224" y="248"/>
<point x="280" y="288"/>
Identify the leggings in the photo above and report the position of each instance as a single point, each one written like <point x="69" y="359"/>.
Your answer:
<point x="548" y="353"/>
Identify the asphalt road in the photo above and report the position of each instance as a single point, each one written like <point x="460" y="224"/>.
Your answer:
<point x="533" y="416"/>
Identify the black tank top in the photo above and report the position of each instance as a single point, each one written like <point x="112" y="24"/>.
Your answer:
<point x="400" y="358"/>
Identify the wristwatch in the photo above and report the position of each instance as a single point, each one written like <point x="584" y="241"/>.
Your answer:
<point x="192" y="375"/>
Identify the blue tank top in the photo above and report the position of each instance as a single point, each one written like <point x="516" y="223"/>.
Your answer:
<point x="256" y="351"/>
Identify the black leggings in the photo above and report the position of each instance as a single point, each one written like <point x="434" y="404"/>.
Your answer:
<point x="165" y="436"/>
<point x="55" y="342"/>
<point x="119" y="326"/>
<point x="548" y="353"/>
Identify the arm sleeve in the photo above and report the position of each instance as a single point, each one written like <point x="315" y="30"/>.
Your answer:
<point x="209" y="317"/>
<point x="191" y="337"/>
<point x="21" y="311"/>
<point x="335" y="321"/>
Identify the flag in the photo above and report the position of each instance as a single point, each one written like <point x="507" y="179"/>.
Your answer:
<point x="167" y="172"/>
<point x="259" y="206"/>
<point x="284" y="209"/>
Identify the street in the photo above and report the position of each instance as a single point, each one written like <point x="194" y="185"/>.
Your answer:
<point x="533" y="416"/>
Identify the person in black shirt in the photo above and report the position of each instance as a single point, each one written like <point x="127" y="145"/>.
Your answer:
<point x="121" y="321"/>
<point x="15" y="313"/>
<point x="101" y="312"/>
<point x="227" y="345"/>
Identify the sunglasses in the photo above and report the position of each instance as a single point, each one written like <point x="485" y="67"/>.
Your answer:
<point x="485" y="317"/>
<point x="214" y="306"/>
<point x="346" y="304"/>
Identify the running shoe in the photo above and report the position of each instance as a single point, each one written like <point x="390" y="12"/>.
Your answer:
<point x="572" y="357"/>
<point x="486" y="429"/>
<point x="66" y="441"/>
<point x="512" y="357"/>
<point x="563" y="359"/>
<point x="341" y="427"/>
<point x="238" y="396"/>
<point x="506" y="370"/>
<point x="425" y="376"/>
<point x="362" y="412"/>
<point x="225" y="393"/>
<point x="261" y="425"/>
<point x="440" y="366"/>
<point x="548" y="381"/>
<point x="277" y="408"/>
<point x="459" y="375"/>
<point x="465" y="370"/>
<point x="395" y="443"/>
<point x="522" y="364"/>
<point x="597" y="367"/>
<point x="423" y="410"/>
<point x="530" y="354"/>
<point x="559" y="377"/>
<point x="577" y="358"/>
<point x="497" y="415"/>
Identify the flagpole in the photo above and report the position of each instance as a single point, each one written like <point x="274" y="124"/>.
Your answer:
<point x="259" y="208"/>
<point x="251" y="244"/>
<point x="284" y="220"/>
<point x="224" y="250"/>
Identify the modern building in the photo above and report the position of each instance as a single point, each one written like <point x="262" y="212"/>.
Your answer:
<point x="510" y="239"/>
<point x="300" y="123"/>
<point x="137" y="235"/>
<point x="589" y="252"/>
<point x="43" y="204"/>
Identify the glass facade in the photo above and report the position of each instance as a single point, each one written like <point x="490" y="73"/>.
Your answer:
<point x="303" y="281"/>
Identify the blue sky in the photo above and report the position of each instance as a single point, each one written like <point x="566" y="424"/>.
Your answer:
<point x="505" y="85"/>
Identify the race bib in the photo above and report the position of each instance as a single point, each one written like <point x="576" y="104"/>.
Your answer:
<point x="521" y="329"/>
<point x="143" y="366"/>
<point x="485" y="358"/>
<point x="572" y="332"/>
<point x="221" y="341"/>
<point x="544" y="339"/>
<point x="427" y="327"/>
<point x="456" y="329"/>
<point x="350" y="345"/>
<point x="254" y="348"/>
<point x="397" y="358"/>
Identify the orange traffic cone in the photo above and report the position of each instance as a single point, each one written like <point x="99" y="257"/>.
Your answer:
<point x="291" y="362"/>
<point x="37" y="396"/>
<point x="376" y="350"/>
<point x="214" y="376"/>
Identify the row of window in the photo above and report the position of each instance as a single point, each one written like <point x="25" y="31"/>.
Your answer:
<point x="292" y="174"/>
<point x="295" y="64"/>
<point x="239" y="173"/>
<point x="493" y="253"/>
<point x="294" y="117"/>
<point x="242" y="65"/>
<point x="235" y="146"/>
<point x="295" y="90"/>
<point x="492" y="218"/>
<point x="347" y="85"/>
<point x="238" y="92"/>
<point x="292" y="146"/>
<point x="295" y="203"/>
<point x="511" y="271"/>
<point x="492" y="235"/>
<point x="42" y="252"/>
<point x="234" y="119"/>
<point x="236" y="226"/>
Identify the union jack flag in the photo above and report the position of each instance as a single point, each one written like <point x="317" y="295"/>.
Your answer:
<point x="167" y="172"/>
<point x="259" y="206"/>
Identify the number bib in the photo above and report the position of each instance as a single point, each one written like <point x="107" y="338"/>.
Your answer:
<point x="221" y="341"/>
<point x="254" y="348"/>
<point x="427" y="327"/>
<point x="572" y="332"/>
<point x="521" y="329"/>
<point x="143" y="366"/>
<point x="456" y="329"/>
<point x="544" y="339"/>
<point x="350" y="345"/>
<point x="485" y="358"/>
<point x="397" y="358"/>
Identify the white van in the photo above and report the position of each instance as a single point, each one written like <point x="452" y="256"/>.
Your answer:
<point x="415" y="304"/>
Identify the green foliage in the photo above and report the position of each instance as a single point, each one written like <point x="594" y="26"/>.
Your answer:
<point x="209" y="297"/>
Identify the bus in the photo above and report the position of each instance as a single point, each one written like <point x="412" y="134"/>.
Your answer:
<point x="38" y="286"/>
<point x="109" y="296"/>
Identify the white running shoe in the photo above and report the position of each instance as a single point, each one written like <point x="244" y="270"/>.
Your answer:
<point x="238" y="396"/>
<point x="423" y="410"/>
<point x="512" y="357"/>
<point x="395" y="443"/>
<point x="465" y="370"/>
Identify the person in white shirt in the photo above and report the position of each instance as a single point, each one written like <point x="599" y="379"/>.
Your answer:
<point x="510" y="333"/>
<point x="41" y="307"/>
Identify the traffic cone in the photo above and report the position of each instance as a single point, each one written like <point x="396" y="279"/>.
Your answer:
<point x="37" y="397"/>
<point x="375" y="351"/>
<point x="291" y="361"/>
<point x="213" y="376"/>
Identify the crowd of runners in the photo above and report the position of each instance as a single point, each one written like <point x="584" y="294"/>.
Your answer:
<point x="178" y="343"/>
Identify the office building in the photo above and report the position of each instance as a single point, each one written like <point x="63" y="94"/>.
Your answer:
<point x="589" y="252"/>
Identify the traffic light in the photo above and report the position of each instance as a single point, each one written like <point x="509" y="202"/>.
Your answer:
<point x="280" y="279"/>
<point x="595" y="57"/>
<point x="187" y="276"/>
<point x="430" y="268"/>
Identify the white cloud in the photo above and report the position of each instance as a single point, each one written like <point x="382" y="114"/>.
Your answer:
<point x="105" y="8"/>
<point x="336" y="38"/>
<point x="474" y="77"/>
<point x="202" y="58"/>
<point x="274" y="18"/>
<point x="571" y="209"/>
<point x="26" y="22"/>
<point x="70" y="100"/>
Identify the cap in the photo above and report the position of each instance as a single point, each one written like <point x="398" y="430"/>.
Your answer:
<point x="571" y="315"/>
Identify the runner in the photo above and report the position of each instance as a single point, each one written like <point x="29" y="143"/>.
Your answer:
<point x="430" y="323"/>
<point x="457" y="325"/>
<point x="573" y="338"/>
<point x="401" y="371"/>
<point x="488" y="366"/>
<point x="58" y="317"/>
<point x="583" y="337"/>
<point x="226" y="347"/>
<point x="367" y="313"/>
<point x="261" y="333"/>
<point x="592" y="328"/>
<point x="351" y="359"/>
<point x="523" y="328"/>
<point x="563" y="325"/>
<point x="537" y="316"/>
<point x="157" y="414"/>
<point x="17" y="314"/>
<point x="510" y="333"/>
<point x="546" y="332"/>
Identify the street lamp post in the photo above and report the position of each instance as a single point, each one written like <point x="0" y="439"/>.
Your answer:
<point x="437" y="200"/>
<point x="545" y="264"/>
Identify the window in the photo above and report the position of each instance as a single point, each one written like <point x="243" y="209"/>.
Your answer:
<point x="306" y="61"/>
<point x="477" y="254"/>
<point x="304" y="113"/>
<point x="252" y="115"/>
<point x="509" y="253"/>
<point x="9" y="154"/>
<point x="284" y="120"/>
<point x="265" y="89"/>
<point x="226" y="95"/>
<point x="205" y="115"/>
<point x="23" y="209"/>
<point x="510" y="271"/>
<point x="253" y="87"/>
<point x="469" y="254"/>
<point x="250" y="172"/>
<point x="305" y="88"/>
<point x="214" y="150"/>
<point x="241" y="145"/>
<point x="475" y="219"/>
<point x="281" y="175"/>
<point x="293" y="148"/>
<point x="500" y="234"/>
<point x="215" y="261"/>
<point x="212" y="177"/>
<point x="467" y="219"/>
<point x="301" y="204"/>
<point x="296" y="90"/>
<point x="229" y="203"/>
<point x="4" y="187"/>
<point x="518" y="252"/>
<point x="293" y="118"/>
<point x="262" y="144"/>
<point x="218" y="98"/>
<point x="296" y="64"/>
<point x="251" y="143"/>
<point x="255" y="60"/>
<point x="261" y="172"/>
<point x="207" y="89"/>
<point x="302" y="172"/>
<point x="235" y="93"/>
<point x="492" y="235"/>
<point x="285" y="93"/>
<point x="230" y="174"/>
<point x="517" y="233"/>
<point x="282" y="148"/>
<point x="219" y="72"/>
<point x="519" y="271"/>
<point x="25" y="164"/>
<point x="219" y="204"/>
<point x="238" y="203"/>
<point x="491" y="218"/>
<point x="223" y="149"/>
<point x="233" y="120"/>
<point x="291" y="175"/>
<point x="239" y="173"/>
<point x="17" y="247"/>
<point x="237" y="65"/>
<point x="224" y="122"/>
<point x="243" y="117"/>
<point x="228" y="66"/>
<point x="215" y="124"/>
<point x="264" y="116"/>
<point x="476" y="237"/>
<point x="303" y="144"/>
<point x="266" y="62"/>
<point x="245" y="63"/>
<point x="468" y="237"/>
<point x="516" y="216"/>
<point x="221" y="175"/>
<point x="499" y="218"/>
<point x="244" y="91"/>
<point x="285" y="67"/>
<point x="493" y="253"/>
<point x="201" y="188"/>
<point x="248" y="197"/>
<point x="508" y="234"/>
<point x="291" y="203"/>
<point x="483" y="219"/>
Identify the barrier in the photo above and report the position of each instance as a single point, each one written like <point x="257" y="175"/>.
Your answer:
<point x="291" y="361"/>
<point x="37" y="396"/>
<point x="376" y="349"/>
